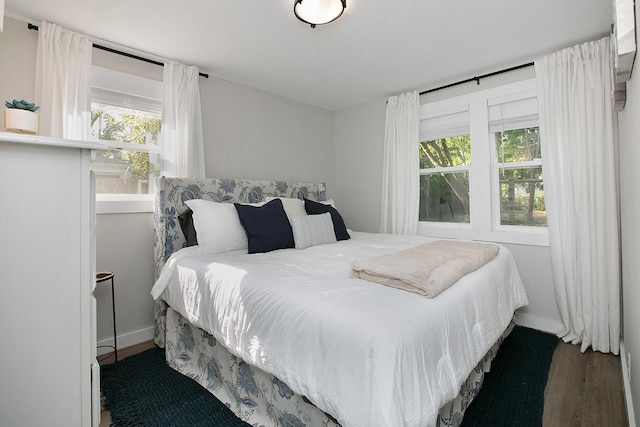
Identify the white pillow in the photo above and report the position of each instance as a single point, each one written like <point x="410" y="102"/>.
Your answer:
<point x="217" y="225"/>
<point x="291" y="206"/>
<point x="312" y="230"/>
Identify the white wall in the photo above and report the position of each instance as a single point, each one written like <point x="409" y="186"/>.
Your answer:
<point x="629" y="152"/>
<point x="124" y="245"/>
<point x="252" y="134"/>
<point x="359" y="139"/>
<point x="248" y="134"/>
<point x="18" y="61"/>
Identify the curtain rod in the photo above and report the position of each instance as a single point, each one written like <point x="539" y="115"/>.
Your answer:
<point x="119" y="52"/>
<point x="477" y="79"/>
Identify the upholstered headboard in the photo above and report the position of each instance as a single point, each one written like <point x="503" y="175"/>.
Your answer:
<point x="172" y="193"/>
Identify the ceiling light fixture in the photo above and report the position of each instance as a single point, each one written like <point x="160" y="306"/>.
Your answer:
<point x="318" y="12"/>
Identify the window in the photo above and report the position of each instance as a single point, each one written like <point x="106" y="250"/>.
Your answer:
<point x="481" y="166"/>
<point x="445" y="158"/>
<point x="126" y="115"/>
<point x="513" y="123"/>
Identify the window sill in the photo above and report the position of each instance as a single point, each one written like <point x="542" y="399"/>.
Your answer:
<point x="123" y="203"/>
<point x="521" y="236"/>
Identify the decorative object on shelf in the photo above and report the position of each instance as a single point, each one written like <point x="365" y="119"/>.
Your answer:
<point x="318" y="12"/>
<point x="21" y="117"/>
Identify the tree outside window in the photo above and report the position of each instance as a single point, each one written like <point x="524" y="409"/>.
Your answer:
<point x="125" y="171"/>
<point x="519" y="169"/>
<point x="444" y="179"/>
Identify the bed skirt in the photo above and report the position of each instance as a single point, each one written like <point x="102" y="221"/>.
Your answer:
<point x="259" y="398"/>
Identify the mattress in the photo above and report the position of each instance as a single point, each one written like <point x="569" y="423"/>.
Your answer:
<point x="364" y="353"/>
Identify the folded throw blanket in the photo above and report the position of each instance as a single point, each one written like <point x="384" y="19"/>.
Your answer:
<point x="426" y="269"/>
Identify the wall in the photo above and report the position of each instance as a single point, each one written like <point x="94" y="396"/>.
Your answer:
<point x="359" y="139"/>
<point x="252" y="134"/>
<point x="18" y="64"/>
<point x="248" y="134"/>
<point x="629" y="152"/>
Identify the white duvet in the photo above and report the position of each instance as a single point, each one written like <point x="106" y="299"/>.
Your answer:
<point x="368" y="354"/>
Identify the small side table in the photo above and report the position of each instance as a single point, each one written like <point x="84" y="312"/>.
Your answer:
<point x="103" y="276"/>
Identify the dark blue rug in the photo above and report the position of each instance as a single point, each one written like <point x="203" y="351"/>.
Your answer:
<point x="142" y="390"/>
<point x="513" y="391"/>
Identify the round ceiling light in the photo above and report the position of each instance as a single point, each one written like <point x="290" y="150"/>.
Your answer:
<point x="318" y="12"/>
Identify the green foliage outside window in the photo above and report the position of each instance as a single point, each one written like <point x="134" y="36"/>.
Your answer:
<point x="119" y="124"/>
<point x="521" y="188"/>
<point x="444" y="197"/>
<point x="518" y="145"/>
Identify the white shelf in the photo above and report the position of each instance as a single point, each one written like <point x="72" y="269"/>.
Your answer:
<point x="22" y="138"/>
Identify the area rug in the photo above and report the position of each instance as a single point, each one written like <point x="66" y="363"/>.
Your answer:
<point x="142" y="390"/>
<point x="513" y="391"/>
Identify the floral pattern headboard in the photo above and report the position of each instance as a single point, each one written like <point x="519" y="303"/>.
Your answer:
<point x="172" y="193"/>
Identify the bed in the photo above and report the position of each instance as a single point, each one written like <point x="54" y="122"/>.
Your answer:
<point x="287" y="337"/>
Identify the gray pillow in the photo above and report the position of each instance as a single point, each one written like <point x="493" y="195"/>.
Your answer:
<point x="312" y="230"/>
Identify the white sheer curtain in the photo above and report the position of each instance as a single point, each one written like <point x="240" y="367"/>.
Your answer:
<point x="182" y="137"/>
<point x="1" y="15"/>
<point x="576" y="128"/>
<point x="400" y="176"/>
<point x="63" y="66"/>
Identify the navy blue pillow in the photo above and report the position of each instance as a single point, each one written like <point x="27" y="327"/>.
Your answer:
<point x="315" y="208"/>
<point x="267" y="226"/>
<point x="188" y="229"/>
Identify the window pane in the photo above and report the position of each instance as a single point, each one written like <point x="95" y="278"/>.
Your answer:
<point x="124" y="172"/>
<point x="444" y="197"/>
<point x="120" y="124"/>
<point x="121" y="171"/>
<point x="517" y="145"/>
<point x="522" y="197"/>
<point x="444" y="152"/>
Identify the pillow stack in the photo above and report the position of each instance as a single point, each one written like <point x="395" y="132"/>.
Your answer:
<point x="280" y="223"/>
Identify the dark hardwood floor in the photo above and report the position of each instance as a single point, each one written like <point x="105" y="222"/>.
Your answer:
<point x="583" y="389"/>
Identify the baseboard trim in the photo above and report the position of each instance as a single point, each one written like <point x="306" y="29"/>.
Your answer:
<point x="628" y="401"/>
<point x="539" y="323"/>
<point x="126" y="340"/>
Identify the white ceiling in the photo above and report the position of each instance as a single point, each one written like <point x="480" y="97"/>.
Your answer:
<point x="376" y="49"/>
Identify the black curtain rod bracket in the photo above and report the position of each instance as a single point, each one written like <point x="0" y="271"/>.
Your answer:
<point x="119" y="52"/>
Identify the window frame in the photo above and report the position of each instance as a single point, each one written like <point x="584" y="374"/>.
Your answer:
<point x="122" y="85"/>
<point x="484" y="200"/>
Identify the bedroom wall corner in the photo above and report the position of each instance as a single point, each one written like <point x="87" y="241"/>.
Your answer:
<point x="124" y="245"/>
<point x="359" y="143"/>
<point x="628" y="154"/>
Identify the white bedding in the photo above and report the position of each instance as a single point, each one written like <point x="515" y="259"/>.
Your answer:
<point x="368" y="354"/>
